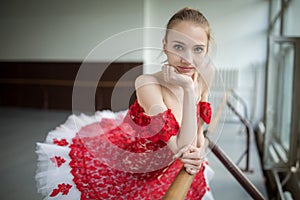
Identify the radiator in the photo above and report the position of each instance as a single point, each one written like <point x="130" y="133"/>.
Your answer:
<point x="224" y="80"/>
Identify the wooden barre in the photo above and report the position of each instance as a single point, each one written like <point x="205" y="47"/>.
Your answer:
<point x="182" y="183"/>
<point x="180" y="186"/>
<point x="235" y="171"/>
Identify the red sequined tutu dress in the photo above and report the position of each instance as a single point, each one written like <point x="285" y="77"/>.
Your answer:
<point x="115" y="155"/>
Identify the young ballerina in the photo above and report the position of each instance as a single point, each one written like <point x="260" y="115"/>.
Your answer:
<point x="139" y="156"/>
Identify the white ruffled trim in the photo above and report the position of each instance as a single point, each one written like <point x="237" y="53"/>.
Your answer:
<point x="48" y="175"/>
<point x="208" y="175"/>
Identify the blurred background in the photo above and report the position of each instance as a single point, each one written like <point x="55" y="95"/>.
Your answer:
<point x="255" y="49"/>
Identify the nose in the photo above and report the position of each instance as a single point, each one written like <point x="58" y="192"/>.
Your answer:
<point x="187" y="57"/>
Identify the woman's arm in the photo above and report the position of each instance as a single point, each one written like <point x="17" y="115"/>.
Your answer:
<point x="193" y="156"/>
<point x="149" y="94"/>
<point x="188" y="131"/>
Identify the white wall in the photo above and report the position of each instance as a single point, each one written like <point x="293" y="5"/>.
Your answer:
<point x="69" y="31"/>
<point x="239" y="29"/>
<point x="291" y="19"/>
<point x="64" y="30"/>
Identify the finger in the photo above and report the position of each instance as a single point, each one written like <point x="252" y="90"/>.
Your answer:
<point x="195" y="152"/>
<point x="197" y="155"/>
<point x="193" y="163"/>
<point x="191" y="170"/>
<point x="169" y="72"/>
<point x="181" y="151"/>
<point x="188" y="170"/>
<point x="173" y="73"/>
<point x="172" y="70"/>
<point x="191" y="167"/>
<point x="194" y="149"/>
<point x="165" y="73"/>
<point x="179" y="154"/>
<point x="192" y="157"/>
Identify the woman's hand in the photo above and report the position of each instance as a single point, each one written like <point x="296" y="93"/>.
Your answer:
<point x="192" y="158"/>
<point x="172" y="76"/>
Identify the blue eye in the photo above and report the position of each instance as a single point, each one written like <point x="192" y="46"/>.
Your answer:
<point x="198" y="49"/>
<point x="178" y="47"/>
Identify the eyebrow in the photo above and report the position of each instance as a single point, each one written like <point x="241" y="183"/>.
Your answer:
<point x="176" y="41"/>
<point x="200" y="45"/>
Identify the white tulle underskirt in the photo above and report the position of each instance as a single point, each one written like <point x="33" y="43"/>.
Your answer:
<point x="48" y="175"/>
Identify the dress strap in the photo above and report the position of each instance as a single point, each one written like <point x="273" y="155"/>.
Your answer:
<point x="204" y="111"/>
<point x="157" y="127"/>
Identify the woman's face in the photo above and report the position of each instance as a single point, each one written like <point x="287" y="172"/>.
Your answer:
<point x="185" y="47"/>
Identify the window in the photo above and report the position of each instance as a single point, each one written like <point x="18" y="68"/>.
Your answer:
<point x="282" y="103"/>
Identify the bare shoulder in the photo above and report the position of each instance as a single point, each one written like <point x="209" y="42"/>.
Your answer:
<point x="147" y="85"/>
<point x="149" y="93"/>
<point x="146" y="79"/>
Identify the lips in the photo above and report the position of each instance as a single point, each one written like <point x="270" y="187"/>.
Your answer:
<point x="185" y="69"/>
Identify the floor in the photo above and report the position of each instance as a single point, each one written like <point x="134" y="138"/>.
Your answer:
<point x="20" y="129"/>
<point x="232" y="140"/>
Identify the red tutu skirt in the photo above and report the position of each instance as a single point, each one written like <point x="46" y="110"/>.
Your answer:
<point x="111" y="155"/>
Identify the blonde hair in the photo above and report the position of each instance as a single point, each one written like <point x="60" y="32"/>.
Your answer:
<point x="188" y="14"/>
